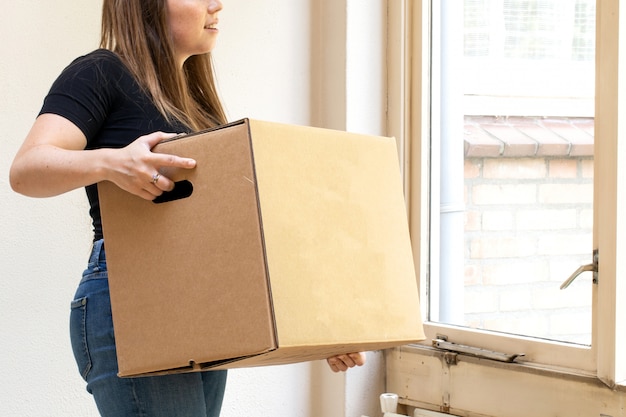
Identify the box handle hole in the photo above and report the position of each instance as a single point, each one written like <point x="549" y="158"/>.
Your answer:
<point x="182" y="189"/>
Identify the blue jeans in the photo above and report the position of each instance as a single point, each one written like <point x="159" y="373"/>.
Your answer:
<point x="197" y="394"/>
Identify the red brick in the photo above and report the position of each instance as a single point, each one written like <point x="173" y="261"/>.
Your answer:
<point x="587" y="170"/>
<point x="478" y="144"/>
<point x="498" y="220"/>
<point x="516" y="143"/>
<point x="504" y="194"/>
<point x="546" y="219"/>
<point x="586" y="124"/>
<point x="563" y="168"/>
<point x="502" y="247"/>
<point x="581" y="142"/>
<point x="507" y="272"/>
<point x="548" y="143"/>
<point x="472" y="168"/>
<point x="472" y="274"/>
<point x="514" y="168"/>
<point x="566" y="193"/>
<point x="473" y="220"/>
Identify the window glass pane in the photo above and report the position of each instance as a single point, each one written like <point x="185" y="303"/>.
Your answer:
<point x="521" y="219"/>
<point x="538" y="51"/>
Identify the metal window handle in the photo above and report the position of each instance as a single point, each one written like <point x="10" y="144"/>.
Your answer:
<point x="441" y="342"/>
<point x="591" y="267"/>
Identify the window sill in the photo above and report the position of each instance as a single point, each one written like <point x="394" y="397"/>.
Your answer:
<point x="517" y="366"/>
<point x="425" y="377"/>
<point x="518" y="137"/>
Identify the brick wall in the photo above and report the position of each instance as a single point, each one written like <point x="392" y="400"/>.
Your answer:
<point x="528" y="225"/>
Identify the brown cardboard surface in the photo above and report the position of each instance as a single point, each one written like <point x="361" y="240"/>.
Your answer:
<point x="293" y="246"/>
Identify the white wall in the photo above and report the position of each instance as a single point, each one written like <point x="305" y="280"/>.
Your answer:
<point x="43" y="243"/>
<point x="266" y="66"/>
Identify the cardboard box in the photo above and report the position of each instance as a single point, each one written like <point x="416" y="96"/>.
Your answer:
<point x="293" y="245"/>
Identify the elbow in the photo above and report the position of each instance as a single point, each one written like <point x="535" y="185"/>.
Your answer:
<point x="17" y="181"/>
<point x="14" y="180"/>
<point x="29" y="182"/>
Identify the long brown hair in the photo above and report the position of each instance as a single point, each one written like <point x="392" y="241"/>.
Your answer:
<point x="137" y="31"/>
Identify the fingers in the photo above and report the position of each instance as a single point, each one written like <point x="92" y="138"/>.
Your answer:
<point x="146" y="173"/>
<point x="166" y="160"/>
<point x="153" y="186"/>
<point x="140" y="151"/>
<point x="159" y="180"/>
<point x="157" y="185"/>
<point x="153" y="139"/>
<point x="358" y="358"/>
<point x="342" y="363"/>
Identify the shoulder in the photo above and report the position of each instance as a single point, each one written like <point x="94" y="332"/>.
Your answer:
<point x="100" y="61"/>
<point x="100" y="73"/>
<point x="99" y="56"/>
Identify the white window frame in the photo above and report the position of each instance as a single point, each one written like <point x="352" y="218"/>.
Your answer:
<point x="573" y="368"/>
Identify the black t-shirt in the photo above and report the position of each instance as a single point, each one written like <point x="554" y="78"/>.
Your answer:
<point x="100" y="96"/>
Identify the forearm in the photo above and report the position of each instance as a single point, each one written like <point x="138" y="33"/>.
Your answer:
<point x="47" y="170"/>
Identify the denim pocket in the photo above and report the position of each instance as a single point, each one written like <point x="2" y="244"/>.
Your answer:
<point x="78" y="335"/>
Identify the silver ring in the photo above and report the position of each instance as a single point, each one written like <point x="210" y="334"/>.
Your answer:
<point x="155" y="178"/>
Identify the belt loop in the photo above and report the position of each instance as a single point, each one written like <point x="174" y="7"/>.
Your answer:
<point x="97" y="252"/>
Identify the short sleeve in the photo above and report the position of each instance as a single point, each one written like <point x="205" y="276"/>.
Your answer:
<point x="86" y="90"/>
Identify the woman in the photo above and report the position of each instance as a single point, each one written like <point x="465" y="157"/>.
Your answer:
<point x="99" y="122"/>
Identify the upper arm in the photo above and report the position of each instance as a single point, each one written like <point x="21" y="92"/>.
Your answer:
<point x="53" y="130"/>
<point x="50" y="132"/>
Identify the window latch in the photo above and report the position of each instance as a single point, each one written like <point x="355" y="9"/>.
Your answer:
<point x="593" y="267"/>
<point x="442" y="343"/>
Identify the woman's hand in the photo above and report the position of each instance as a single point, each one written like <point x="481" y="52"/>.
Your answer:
<point x="136" y="169"/>
<point x="341" y="363"/>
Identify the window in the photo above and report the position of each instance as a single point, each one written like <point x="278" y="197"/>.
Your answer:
<point x="511" y="196"/>
<point x="523" y="193"/>
<point x="557" y="375"/>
